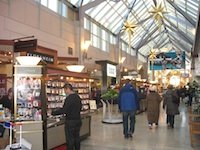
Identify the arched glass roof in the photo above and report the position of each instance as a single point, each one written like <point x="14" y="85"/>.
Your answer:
<point x="177" y="30"/>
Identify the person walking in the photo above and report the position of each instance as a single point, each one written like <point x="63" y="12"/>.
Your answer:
<point x="171" y="102"/>
<point x="153" y="106"/>
<point x="128" y="105"/>
<point x="72" y="107"/>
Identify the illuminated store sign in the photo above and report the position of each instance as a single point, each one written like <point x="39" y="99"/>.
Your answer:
<point x="111" y="70"/>
<point x="47" y="58"/>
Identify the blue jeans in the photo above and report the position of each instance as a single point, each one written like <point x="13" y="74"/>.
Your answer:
<point x="129" y="130"/>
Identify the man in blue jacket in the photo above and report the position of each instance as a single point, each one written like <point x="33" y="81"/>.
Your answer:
<point x="128" y="105"/>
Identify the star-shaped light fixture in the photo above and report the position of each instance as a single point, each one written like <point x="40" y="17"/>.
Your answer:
<point x="158" y="14"/>
<point x="152" y="56"/>
<point x="129" y="29"/>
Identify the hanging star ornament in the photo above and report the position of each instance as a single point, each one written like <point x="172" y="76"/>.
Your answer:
<point x="158" y="14"/>
<point x="152" y="54"/>
<point x="129" y="29"/>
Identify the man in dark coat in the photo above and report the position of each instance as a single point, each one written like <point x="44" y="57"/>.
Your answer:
<point x="128" y="105"/>
<point x="72" y="107"/>
<point x="171" y="102"/>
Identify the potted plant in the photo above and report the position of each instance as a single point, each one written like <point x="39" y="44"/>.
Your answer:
<point x="110" y="94"/>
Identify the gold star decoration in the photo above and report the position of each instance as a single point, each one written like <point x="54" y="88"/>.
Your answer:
<point x="158" y="14"/>
<point x="152" y="54"/>
<point x="129" y="28"/>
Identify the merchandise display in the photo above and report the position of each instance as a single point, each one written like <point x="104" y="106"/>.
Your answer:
<point x="28" y="96"/>
<point x="56" y="94"/>
<point x="82" y="88"/>
<point x="55" y="99"/>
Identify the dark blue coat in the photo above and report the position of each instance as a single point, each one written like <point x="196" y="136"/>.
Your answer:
<point x="128" y="99"/>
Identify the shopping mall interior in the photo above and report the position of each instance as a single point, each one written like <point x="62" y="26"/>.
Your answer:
<point x="96" y="45"/>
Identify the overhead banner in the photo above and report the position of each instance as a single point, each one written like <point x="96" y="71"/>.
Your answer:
<point x="169" y="60"/>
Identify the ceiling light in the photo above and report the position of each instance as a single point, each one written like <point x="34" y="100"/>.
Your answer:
<point x="75" y="68"/>
<point x="28" y="60"/>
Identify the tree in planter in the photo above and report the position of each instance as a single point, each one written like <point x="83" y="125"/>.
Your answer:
<point x="110" y="96"/>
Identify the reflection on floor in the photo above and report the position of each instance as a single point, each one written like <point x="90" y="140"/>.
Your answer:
<point x="110" y="137"/>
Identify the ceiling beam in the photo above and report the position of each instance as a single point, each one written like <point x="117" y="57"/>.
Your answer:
<point x="154" y="37"/>
<point x="183" y="37"/>
<point x="143" y="41"/>
<point x="163" y="44"/>
<point x="160" y="44"/>
<point x="126" y="16"/>
<point x="187" y="17"/>
<point x="179" y="31"/>
<point x="91" y="5"/>
<point x="155" y="2"/>
<point x="177" y="47"/>
<point x="173" y="39"/>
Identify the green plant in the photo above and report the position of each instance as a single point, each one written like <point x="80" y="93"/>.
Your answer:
<point x="110" y="94"/>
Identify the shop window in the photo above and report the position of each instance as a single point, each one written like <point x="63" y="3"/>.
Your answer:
<point x="133" y="52"/>
<point x="43" y="2"/>
<point x="95" y="41"/>
<point x="124" y="46"/>
<point x="53" y="5"/>
<point x="104" y="45"/>
<point x="112" y="39"/>
<point x="104" y="35"/>
<point x="95" y="29"/>
<point x="86" y="24"/>
<point x="64" y="10"/>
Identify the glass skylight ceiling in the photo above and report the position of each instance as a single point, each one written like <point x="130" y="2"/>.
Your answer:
<point x="177" y="31"/>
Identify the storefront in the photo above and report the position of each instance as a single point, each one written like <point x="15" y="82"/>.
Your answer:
<point x="38" y="91"/>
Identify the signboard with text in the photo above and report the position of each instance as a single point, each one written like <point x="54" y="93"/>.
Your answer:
<point x="45" y="57"/>
<point x="169" y="60"/>
<point x="29" y="45"/>
<point x="111" y="70"/>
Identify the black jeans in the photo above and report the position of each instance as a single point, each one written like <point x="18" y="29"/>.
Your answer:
<point x="170" y="120"/>
<point x="2" y="130"/>
<point x="72" y="134"/>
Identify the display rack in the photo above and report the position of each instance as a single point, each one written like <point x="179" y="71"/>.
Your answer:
<point x="56" y="94"/>
<point x="28" y="93"/>
<point x="55" y="99"/>
<point x="82" y="88"/>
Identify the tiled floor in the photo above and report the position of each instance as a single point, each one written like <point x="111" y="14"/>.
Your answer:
<point x="110" y="137"/>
